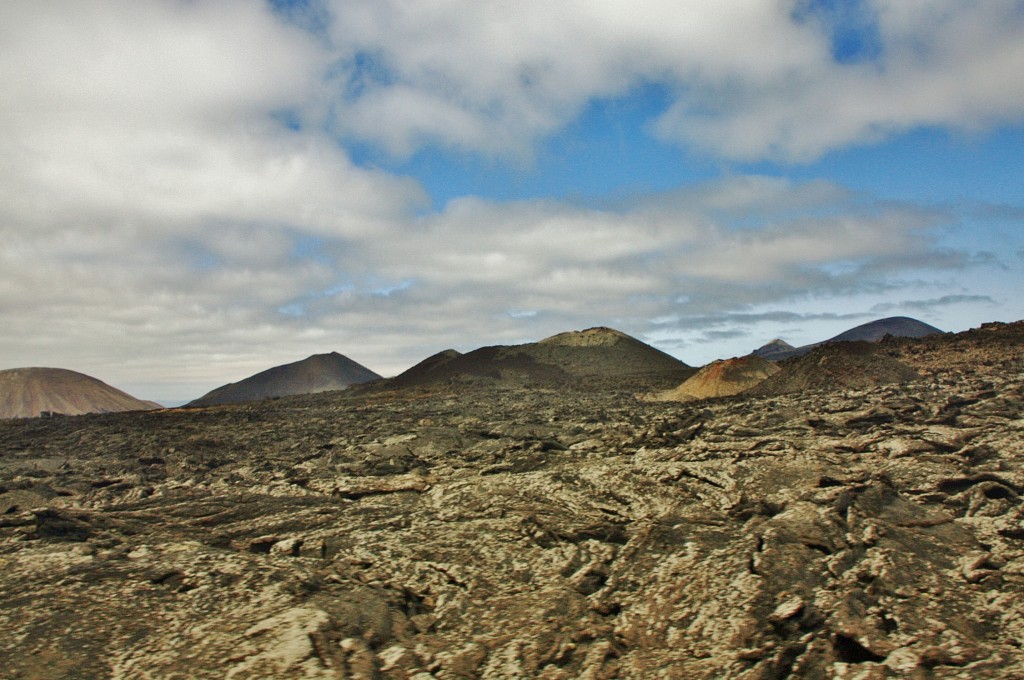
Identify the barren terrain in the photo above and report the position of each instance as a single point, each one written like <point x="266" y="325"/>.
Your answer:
<point x="499" y="532"/>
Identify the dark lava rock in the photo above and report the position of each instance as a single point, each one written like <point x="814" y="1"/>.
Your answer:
<point x="856" y="365"/>
<point x="495" y="531"/>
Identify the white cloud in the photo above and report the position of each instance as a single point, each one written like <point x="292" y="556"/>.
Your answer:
<point x="164" y="228"/>
<point x="670" y="245"/>
<point x="495" y="76"/>
<point x="153" y="203"/>
<point x="165" y="108"/>
<point x="750" y="80"/>
<point x="469" y="272"/>
<point x="947" y="64"/>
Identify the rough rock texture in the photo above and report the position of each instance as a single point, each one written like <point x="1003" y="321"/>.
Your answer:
<point x="511" y="533"/>
<point x="318" y="373"/>
<point x="856" y="365"/>
<point x="992" y="348"/>
<point x="723" y="379"/>
<point x="31" y="392"/>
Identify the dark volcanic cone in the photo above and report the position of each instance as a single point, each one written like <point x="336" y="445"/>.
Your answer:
<point x="896" y="326"/>
<point x="838" y="365"/>
<point x="723" y="379"/>
<point x="593" y="355"/>
<point x="604" y="353"/>
<point x="773" y="349"/>
<point x="318" y="373"/>
<point x="426" y="371"/>
<point x="29" y="392"/>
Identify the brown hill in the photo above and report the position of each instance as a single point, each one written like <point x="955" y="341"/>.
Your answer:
<point x="31" y="392"/>
<point x="318" y="373"/>
<point x="857" y="365"/>
<point x="723" y="379"/>
<point x="585" y="358"/>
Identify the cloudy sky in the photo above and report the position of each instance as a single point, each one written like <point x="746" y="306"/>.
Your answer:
<point x="193" y="191"/>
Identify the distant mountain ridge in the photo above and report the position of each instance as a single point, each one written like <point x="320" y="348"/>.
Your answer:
<point x="851" y="359"/>
<point x="31" y="392"/>
<point x="317" y="373"/>
<point x="896" y="326"/>
<point x="873" y="331"/>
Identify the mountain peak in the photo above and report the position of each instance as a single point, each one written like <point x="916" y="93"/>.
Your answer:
<point x="316" y="373"/>
<point x="899" y="326"/>
<point x="590" y="337"/>
<point x="773" y="347"/>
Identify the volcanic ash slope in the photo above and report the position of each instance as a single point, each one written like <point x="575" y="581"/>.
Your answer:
<point x="722" y="379"/>
<point x="30" y="392"/>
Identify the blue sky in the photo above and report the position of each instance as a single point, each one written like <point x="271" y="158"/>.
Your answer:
<point x="193" y="192"/>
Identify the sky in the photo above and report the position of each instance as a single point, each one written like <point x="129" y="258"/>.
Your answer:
<point x="194" y="191"/>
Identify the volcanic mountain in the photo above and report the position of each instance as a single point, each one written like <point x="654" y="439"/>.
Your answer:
<point x="723" y="379"/>
<point x="318" y="373"/>
<point x="896" y="326"/>
<point x="873" y="331"/>
<point x="837" y="365"/>
<point x="430" y="369"/>
<point x="774" y="348"/>
<point x="30" y="392"/>
<point x="576" y="357"/>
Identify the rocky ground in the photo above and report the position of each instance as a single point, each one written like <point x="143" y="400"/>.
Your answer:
<point x="520" y="533"/>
